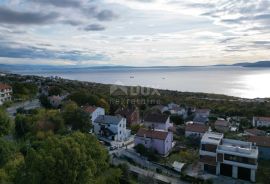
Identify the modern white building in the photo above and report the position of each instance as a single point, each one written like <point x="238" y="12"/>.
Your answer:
<point x="233" y="158"/>
<point x="261" y="121"/>
<point x="111" y="127"/>
<point x="5" y="93"/>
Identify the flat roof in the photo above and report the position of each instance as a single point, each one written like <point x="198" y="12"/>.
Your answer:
<point x="239" y="148"/>
<point x="212" y="138"/>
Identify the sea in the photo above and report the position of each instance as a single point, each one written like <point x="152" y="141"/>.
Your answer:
<point x="245" y="82"/>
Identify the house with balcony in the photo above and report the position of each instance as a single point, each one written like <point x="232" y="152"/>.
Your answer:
<point x="261" y="122"/>
<point x="111" y="127"/>
<point x="5" y="93"/>
<point x="157" y="121"/>
<point x="159" y="140"/>
<point x="228" y="157"/>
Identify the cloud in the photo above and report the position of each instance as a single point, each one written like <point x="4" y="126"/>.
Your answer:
<point x="106" y="15"/>
<point x="94" y="27"/>
<point x="9" y="16"/>
<point x="60" y="3"/>
<point x="42" y="53"/>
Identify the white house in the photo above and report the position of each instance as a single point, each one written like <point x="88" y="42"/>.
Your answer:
<point x="261" y="121"/>
<point x="93" y="111"/>
<point x="5" y="93"/>
<point x="111" y="127"/>
<point x="157" y="121"/>
<point x="159" y="140"/>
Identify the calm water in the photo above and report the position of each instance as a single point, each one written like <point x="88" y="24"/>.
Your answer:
<point x="233" y="81"/>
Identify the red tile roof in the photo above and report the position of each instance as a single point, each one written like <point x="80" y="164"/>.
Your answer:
<point x="156" y="118"/>
<point x="89" y="109"/>
<point x="154" y="134"/>
<point x="222" y="123"/>
<point x="196" y="128"/>
<point x="262" y="118"/>
<point x="203" y="110"/>
<point x="125" y="112"/>
<point x="4" y="86"/>
<point x="255" y="131"/>
<point x="263" y="141"/>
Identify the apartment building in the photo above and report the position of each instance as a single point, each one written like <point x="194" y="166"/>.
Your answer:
<point x="228" y="157"/>
<point x="5" y="93"/>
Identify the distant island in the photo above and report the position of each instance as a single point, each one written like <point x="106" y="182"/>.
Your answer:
<point x="256" y="64"/>
<point x="19" y="67"/>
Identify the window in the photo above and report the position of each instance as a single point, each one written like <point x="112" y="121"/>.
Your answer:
<point x="244" y="160"/>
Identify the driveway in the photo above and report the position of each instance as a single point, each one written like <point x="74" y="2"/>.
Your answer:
<point x="27" y="105"/>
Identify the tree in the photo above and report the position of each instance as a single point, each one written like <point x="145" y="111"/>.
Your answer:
<point x="176" y="119"/>
<point x="76" y="117"/>
<point x="77" y="158"/>
<point x="45" y="101"/>
<point x="5" y="123"/>
<point x="7" y="149"/>
<point x="83" y="97"/>
<point x="23" y="125"/>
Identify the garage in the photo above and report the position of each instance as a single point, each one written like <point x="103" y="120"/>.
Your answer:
<point x="244" y="173"/>
<point x="210" y="169"/>
<point x="226" y="170"/>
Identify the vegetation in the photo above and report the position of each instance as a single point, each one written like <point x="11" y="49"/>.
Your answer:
<point x="149" y="153"/>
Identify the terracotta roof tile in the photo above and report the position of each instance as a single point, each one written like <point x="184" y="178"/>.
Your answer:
<point x="156" y="118"/>
<point x="154" y="134"/>
<point x="263" y="141"/>
<point x="4" y="86"/>
<point x="89" y="109"/>
<point x="197" y="128"/>
<point x="262" y="118"/>
<point x="222" y="123"/>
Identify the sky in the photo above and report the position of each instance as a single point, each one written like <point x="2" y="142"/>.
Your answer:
<point x="134" y="32"/>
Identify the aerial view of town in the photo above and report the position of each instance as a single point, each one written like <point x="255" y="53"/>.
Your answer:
<point x="134" y="91"/>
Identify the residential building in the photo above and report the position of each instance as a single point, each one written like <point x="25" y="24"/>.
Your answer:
<point x="160" y="108"/>
<point x="157" y="121"/>
<point x="195" y="130"/>
<point x="228" y="157"/>
<point x="201" y="116"/>
<point x="5" y="93"/>
<point x="202" y="112"/>
<point x="159" y="140"/>
<point x="131" y="114"/>
<point x="111" y="127"/>
<point x="56" y="100"/>
<point x="254" y="132"/>
<point x="263" y="143"/>
<point x="93" y="111"/>
<point x="261" y="121"/>
<point x="222" y="125"/>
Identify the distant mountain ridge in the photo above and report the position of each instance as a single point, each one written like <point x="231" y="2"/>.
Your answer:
<point x="256" y="64"/>
<point x="20" y="67"/>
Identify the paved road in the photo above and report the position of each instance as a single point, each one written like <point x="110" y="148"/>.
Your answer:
<point x="27" y="105"/>
<point x="144" y="172"/>
<point x="142" y="161"/>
